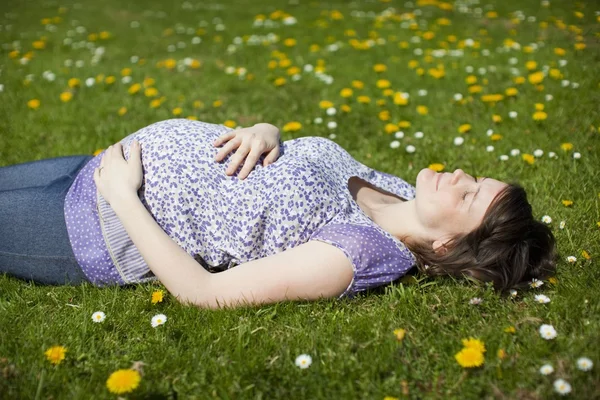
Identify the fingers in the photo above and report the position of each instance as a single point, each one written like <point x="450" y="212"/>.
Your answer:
<point x="271" y="157"/>
<point x="228" y="148"/>
<point x="250" y="162"/>
<point x="224" y="138"/>
<point x="237" y="159"/>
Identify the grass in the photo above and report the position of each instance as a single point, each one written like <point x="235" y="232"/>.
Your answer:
<point x="250" y="352"/>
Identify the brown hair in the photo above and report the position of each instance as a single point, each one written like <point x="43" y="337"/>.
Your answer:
<point x="509" y="248"/>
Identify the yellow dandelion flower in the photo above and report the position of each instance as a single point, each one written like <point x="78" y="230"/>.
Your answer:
<point x="469" y="357"/>
<point x="519" y="80"/>
<point x="510" y="329"/>
<point x="501" y="354"/>
<point x="495" y="137"/>
<point x="579" y="46"/>
<point x="399" y="333"/>
<point x="14" y="54"/>
<point x="555" y="73"/>
<point x="73" y="83"/>
<point x="155" y="103"/>
<point x="511" y="92"/>
<point x="284" y="63"/>
<point x="383" y="84"/>
<point x="126" y="72"/>
<point x="496" y="118"/>
<point x="358" y="84"/>
<point x="198" y="104"/>
<point x="585" y="255"/>
<point x="492" y="98"/>
<point x="280" y="81"/>
<point x="109" y="80"/>
<point x="133" y="89"/>
<point x="420" y="71"/>
<point x="150" y="92"/>
<point x="104" y="35"/>
<point x="464" y="128"/>
<point x="423" y="110"/>
<point x="293" y="71"/>
<point x="428" y="35"/>
<point x="92" y="37"/>
<point x="39" y="45"/>
<point x="45" y="21"/>
<point x="170" y="63"/>
<point x="384" y="115"/>
<point x="529" y="158"/>
<point x="437" y="167"/>
<point x="147" y="82"/>
<point x="379" y="68"/>
<point x="536" y="77"/>
<point x="475" y="89"/>
<point x="539" y="107"/>
<point x="390" y="128"/>
<point x="292" y="126"/>
<point x="567" y="203"/>
<point x="404" y="124"/>
<point x="66" y="96"/>
<point x="314" y="48"/>
<point x="217" y="103"/>
<point x="471" y="79"/>
<point x="34" y="104"/>
<point x="412" y="64"/>
<point x="230" y="123"/>
<point x="177" y="111"/>
<point x="553" y="280"/>
<point x="55" y="354"/>
<point x="400" y="99"/>
<point x="325" y="104"/>
<point x="559" y="51"/>
<point x="346" y="92"/>
<point x="195" y="64"/>
<point x="474" y="344"/>
<point x="290" y="42"/>
<point x="122" y="111"/>
<point x="123" y="381"/>
<point x="345" y="108"/>
<point x="539" y="116"/>
<point x="192" y="118"/>
<point x="566" y="146"/>
<point x="380" y="102"/>
<point x="531" y="65"/>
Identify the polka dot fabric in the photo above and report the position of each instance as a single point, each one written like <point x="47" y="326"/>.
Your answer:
<point x="222" y="221"/>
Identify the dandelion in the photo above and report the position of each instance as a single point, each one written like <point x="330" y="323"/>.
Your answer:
<point x="469" y="357"/>
<point x="540" y="298"/>
<point x="437" y="167"/>
<point x="464" y="128"/>
<point x="475" y="301"/>
<point x="379" y="68"/>
<point x="535" y="283"/>
<point x="501" y="354"/>
<point x="496" y="118"/>
<point x="123" y="381"/>
<point x="73" y="83"/>
<point x="98" y="316"/>
<point x="346" y="92"/>
<point x="158" y="319"/>
<point x="571" y="259"/>
<point x="66" y="96"/>
<point x="495" y="137"/>
<point x="473" y="343"/>
<point x="292" y="126"/>
<point x="536" y="77"/>
<point x="539" y="116"/>
<point x="528" y="158"/>
<point x="423" y="110"/>
<point x="303" y="361"/>
<point x="280" y="81"/>
<point x="363" y="99"/>
<point x="55" y="354"/>
<point x="177" y="111"/>
<point x="566" y="146"/>
<point x="122" y="111"/>
<point x="358" y="84"/>
<point x="584" y="363"/>
<point x="34" y="104"/>
<point x="562" y="387"/>
<point x="400" y="333"/>
<point x="546" y="369"/>
<point x="547" y="332"/>
<point x="567" y="203"/>
<point x="511" y="92"/>
<point x="510" y="329"/>
<point x="133" y="89"/>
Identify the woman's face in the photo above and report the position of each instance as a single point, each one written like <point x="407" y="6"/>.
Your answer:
<point x="451" y="203"/>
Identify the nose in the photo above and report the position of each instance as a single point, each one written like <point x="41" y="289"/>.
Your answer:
<point x="459" y="173"/>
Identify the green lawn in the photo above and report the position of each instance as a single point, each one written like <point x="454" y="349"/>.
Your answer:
<point x="222" y="63"/>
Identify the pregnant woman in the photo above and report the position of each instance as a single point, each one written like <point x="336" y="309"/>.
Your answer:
<point x="272" y="221"/>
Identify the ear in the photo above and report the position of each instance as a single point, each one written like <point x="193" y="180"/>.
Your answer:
<point x="439" y="247"/>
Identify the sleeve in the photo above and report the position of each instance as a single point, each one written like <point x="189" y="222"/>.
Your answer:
<point x="376" y="259"/>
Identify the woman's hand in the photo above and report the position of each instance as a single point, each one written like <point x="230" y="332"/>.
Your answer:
<point x="251" y="142"/>
<point x="117" y="178"/>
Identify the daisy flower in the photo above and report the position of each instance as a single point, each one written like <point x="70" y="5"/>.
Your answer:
<point x="540" y="298"/>
<point x="547" y="332"/>
<point x="475" y="300"/>
<point x="584" y="363"/>
<point x="562" y="387"/>
<point x="158" y="319"/>
<point x="571" y="259"/>
<point x="546" y="369"/>
<point x="98" y="316"/>
<point x="303" y="361"/>
<point x="546" y="219"/>
<point x="535" y="283"/>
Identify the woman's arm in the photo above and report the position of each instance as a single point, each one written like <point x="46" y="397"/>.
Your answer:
<point x="177" y="270"/>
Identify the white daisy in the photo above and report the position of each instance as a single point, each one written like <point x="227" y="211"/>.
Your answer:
<point x="552" y="154"/>
<point x="303" y="361"/>
<point x="549" y="97"/>
<point x="584" y="363"/>
<point x="538" y="152"/>
<point x="419" y="135"/>
<point x="576" y="155"/>
<point x="547" y="331"/>
<point x="410" y="148"/>
<point x="562" y="224"/>
<point x="489" y="148"/>
<point x="422" y="92"/>
<point x="395" y="144"/>
<point x="318" y="120"/>
<point x="512" y="114"/>
<point x="98" y="316"/>
<point x="89" y="82"/>
<point x="489" y="132"/>
<point x="536" y="283"/>
<point x="562" y="386"/>
<point x="546" y="219"/>
<point x="399" y="135"/>
<point x="331" y="111"/>
<point x="459" y="140"/>
<point x="571" y="259"/>
<point x="332" y="124"/>
<point x="542" y="298"/>
<point x="158" y="319"/>
<point x="515" y="152"/>
<point x="475" y="301"/>
<point x="546" y="369"/>
<point x="458" y="97"/>
<point x="513" y="293"/>
<point x="503" y="157"/>
<point x="332" y="136"/>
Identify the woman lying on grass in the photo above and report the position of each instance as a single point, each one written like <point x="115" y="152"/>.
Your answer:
<point x="299" y="220"/>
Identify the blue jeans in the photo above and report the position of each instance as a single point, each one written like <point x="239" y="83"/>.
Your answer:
<point x="34" y="243"/>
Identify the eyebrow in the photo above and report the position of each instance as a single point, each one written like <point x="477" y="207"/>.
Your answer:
<point x="473" y="200"/>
